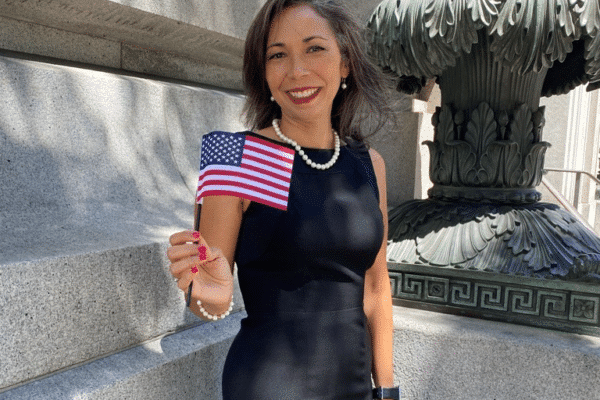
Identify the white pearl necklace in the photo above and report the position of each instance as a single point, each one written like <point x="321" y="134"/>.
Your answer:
<point x="301" y="152"/>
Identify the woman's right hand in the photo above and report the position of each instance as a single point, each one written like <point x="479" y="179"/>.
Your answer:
<point x="192" y="259"/>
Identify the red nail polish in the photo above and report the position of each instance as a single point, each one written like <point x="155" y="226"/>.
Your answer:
<point x="196" y="235"/>
<point x="194" y="270"/>
<point x="202" y="253"/>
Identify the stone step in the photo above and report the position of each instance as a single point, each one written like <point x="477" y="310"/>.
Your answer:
<point x="183" y="365"/>
<point x="97" y="169"/>
<point x="93" y="160"/>
<point x="441" y="356"/>
<point x="436" y="356"/>
<point x="66" y="310"/>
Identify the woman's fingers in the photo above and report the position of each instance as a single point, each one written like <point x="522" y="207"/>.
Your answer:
<point x="184" y="237"/>
<point x="181" y="246"/>
<point x="191" y="258"/>
<point x="213" y="262"/>
<point x="214" y="259"/>
<point x="183" y="265"/>
<point x="176" y="253"/>
<point x="184" y="281"/>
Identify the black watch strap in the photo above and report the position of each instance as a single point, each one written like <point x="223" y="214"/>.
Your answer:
<point x="386" y="393"/>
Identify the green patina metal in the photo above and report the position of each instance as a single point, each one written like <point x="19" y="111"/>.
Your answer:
<point x="552" y="304"/>
<point x="493" y="61"/>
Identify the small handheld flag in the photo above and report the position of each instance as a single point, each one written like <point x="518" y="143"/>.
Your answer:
<point x="240" y="165"/>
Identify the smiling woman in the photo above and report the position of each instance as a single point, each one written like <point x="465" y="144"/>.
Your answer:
<point x="365" y="84"/>
<point x="300" y="205"/>
<point x="304" y="68"/>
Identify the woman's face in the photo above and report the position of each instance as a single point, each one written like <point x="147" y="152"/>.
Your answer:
<point x="304" y="65"/>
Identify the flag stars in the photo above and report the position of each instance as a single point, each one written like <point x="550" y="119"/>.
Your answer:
<point x="222" y="148"/>
<point x="239" y="165"/>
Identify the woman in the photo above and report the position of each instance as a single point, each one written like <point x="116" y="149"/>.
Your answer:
<point x="313" y="273"/>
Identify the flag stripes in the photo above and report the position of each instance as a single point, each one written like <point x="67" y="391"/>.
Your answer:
<point x="234" y="164"/>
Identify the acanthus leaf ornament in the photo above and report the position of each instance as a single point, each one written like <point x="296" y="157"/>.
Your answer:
<point x="444" y="235"/>
<point x="588" y="13"/>
<point x="592" y="53"/>
<point x="482" y="158"/>
<point x="480" y="134"/>
<point x="521" y="129"/>
<point x="424" y="38"/>
<point x="445" y="23"/>
<point x="529" y="35"/>
<point x="483" y="11"/>
<point x="534" y="161"/>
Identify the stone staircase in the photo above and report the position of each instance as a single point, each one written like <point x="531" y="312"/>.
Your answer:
<point x="97" y="170"/>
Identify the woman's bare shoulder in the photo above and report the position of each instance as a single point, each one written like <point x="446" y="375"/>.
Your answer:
<point x="268" y="133"/>
<point x="377" y="160"/>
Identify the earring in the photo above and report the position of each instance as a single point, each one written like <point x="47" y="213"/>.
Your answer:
<point x="344" y="86"/>
<point x="272" y="98"/>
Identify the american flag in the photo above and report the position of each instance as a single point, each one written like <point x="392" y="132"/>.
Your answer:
<point x="236" y="164"/>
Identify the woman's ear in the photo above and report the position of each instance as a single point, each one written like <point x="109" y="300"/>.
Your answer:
<point x="344" y="68"/>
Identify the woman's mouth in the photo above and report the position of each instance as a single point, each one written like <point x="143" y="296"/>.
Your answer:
<point x="303" y="95"/>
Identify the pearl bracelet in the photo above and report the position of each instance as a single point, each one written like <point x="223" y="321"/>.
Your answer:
<point x="215" y="317"/>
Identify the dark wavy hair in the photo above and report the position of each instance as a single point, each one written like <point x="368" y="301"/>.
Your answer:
<point x="366" y="92"/>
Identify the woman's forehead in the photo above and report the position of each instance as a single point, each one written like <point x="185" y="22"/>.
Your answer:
<point x="298" y="23"/>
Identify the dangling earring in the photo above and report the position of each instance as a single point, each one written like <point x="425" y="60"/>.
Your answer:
<point x="344" y="86"/>
<point x="272" y="98"/>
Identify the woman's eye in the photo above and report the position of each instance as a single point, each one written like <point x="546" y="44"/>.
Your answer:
<point x="274" y="56"/>
<point x="314" y="49"/>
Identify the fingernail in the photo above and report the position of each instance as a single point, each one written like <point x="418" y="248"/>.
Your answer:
<point x="202" y="253"/>
<point x="196" y="235"/>
<point x="194" y="270"/>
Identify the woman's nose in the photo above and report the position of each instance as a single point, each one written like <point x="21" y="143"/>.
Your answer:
<point x="297" y="67"/>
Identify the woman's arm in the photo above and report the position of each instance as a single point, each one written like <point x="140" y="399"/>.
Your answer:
<point x="377" y="298"/>
<point x="220" y="222"/>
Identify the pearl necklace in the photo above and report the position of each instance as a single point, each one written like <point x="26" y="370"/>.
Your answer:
<point x="301" y="152"/>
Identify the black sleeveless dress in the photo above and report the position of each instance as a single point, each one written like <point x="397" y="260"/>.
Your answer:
<point x="301" y="274"/>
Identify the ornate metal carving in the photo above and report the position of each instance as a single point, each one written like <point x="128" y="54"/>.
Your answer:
<point x="480" y="242"/>
<point x="503" y="151"/>
<point x="539" y="240"/>
<point x="424" y="38"/>
<point x="493" y="60"/>
<point x="572" y="307"/>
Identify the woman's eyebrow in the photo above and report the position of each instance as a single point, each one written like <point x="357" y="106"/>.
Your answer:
<point x="305" y="40"/>
<point x="275" y="45"/>
<point x="308" y="39"/>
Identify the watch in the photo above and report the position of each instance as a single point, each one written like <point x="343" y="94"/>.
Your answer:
<point x="387" y="393"/>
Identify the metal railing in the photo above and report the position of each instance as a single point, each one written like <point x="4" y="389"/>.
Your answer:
<point x="572" y="208"/>
<point x="565" y="203"/>
<point x="577" y="181"/>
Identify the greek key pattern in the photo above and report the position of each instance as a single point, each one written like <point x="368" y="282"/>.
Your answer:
<point x="502" y="298"/>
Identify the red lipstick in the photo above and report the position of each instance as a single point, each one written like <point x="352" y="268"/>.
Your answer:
<point x="303" y="100"/>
